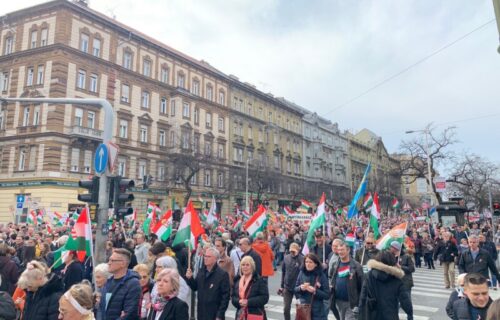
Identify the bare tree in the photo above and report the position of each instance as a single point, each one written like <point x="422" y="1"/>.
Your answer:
<point x="261" y="179"/>
<point x="473" y="176"/>
<point x="414" y="163"/>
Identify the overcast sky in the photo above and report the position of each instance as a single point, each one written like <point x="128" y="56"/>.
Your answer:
<point x="321" y="54"/>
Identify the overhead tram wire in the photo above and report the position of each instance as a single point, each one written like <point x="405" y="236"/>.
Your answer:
<point x="392" y="77"/>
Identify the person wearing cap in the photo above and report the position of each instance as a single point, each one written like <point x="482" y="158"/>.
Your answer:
<point x="321" y="248"/>
<point x="290" y="270"/>
<point x="358" y="242"/>
<point x="369" y="252"/>
<point x="405" y="262"/>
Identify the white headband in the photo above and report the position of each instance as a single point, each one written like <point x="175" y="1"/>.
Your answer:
<point x="76" y="305"/>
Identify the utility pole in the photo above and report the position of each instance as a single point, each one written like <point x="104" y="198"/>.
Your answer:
<point x="103" y="201"/>
<point x="496" y="6"/>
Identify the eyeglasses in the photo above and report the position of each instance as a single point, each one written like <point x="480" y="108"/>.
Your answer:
<point x="368" y="242"/>
<point x="205" y="256"/>
<point x="115" y="260"/>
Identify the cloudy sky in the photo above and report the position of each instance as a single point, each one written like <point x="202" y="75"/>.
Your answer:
<point x="323" y="54"/>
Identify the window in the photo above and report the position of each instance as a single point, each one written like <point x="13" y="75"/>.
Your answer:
<point x="142" y="169"/>
<point x="196" y="87"/>
<point x="146" y="68"/>
<point x="161" y="138"/>
<point x="121" y="167"/>
<point x="249" y="109"/>
<point x="260" y="136"/>
<point x="84" y="43"/>
<point x="185" y="110"/>
<point x="220" y="151"/>
<point x="208" y="178"/>
<point x="208" y="120"/>
<point x="4" y="82"/>
<point x="43" y="37"/>
<point x="296" y="169"/>
<point x="220" y="180"/>
<point x="270" y="119"/>
<point x="172" y="108"/>
<point x="90" y="119"/>
<point x="22" y="160"/>
<point x="123" y="129"/>
<point x="186" y="140"/>
<point x="172" y="138"/>
<point x="288" y="165"/>
<point x="29" y="78"/>
<point x="39" y="74"/>
<point x="163" y="105"/>
<point x="180" y="80"/>
<point x="196" y="116"/>
<point x="250" y="133"/>
<point x="78" y="117"/>
<point x="127" y="60"/>
<point x="75" y="159"/>
<point x="196" y="144"/>
<point x="210" y="92"/>
<point x="194" y="179"/>
<point x="9" y="45"/>
<point x="161" y="171"/>
<point x="222" y="97"/>
<point x="125" y="97"/>
<point x="80" y="81"/>
<point x="87" y="161"/>
<point x="96" y="48"/>
<point x="277" y="161"/>
<point x="208" y="148"/>
<point x="93" y="82"/>
<point x="144" y="134"/>
<point x="36" y="116"/>
<point x="238" y="154"/>
<point x="164" y="75"/>
<point x="250" y="155"/>
<point x="145" y="99"/>
<point x="26" y="116"/>
<point x="34" y="36"/>
<point x="221" y="124"/>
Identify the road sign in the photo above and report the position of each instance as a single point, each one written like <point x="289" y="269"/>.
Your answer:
<point x="113" y="155"/>
<point x="20" y="198"/>
<point x="19" y="205"/>
<point x="440" y="183"/>
<point x="101" y="158"/>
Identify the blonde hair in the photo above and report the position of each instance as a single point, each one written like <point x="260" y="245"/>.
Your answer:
<point x="81" y="297"/>
<point x="34" y="270"/>
<point x="102" y="268"/>
<point x="141" y="267"/>
<point x="173" y="275"/>
<point x="247" y="259"/>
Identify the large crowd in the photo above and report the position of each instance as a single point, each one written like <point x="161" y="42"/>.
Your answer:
<point x="343" y="274"/>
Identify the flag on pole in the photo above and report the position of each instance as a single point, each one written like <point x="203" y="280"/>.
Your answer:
<point x="395" y="203"/>
<point x="56" y="219"/>
<point x="317" y="222"/>
<point x="237" y="225"/>
<point x="257" y="222"/>
<point x="212" y="215"/>
<point x="353" y="207"/>
<point x="150" y="218"/>
<point x="287" y="211"/>
<point x="31" y="218"/>
<point x="132" y="218"/>
<point x="189" y="229"/>
<point x="39" y="217"/>
<point x="163" y="228"/>
<point x="59" y="256"/>
<point x="367" y="203"/>
<point x="395" y="234"/>
<point x="81" y="236"/>
<point x="306" y="205"/>
<point x="350" y="239"/>
<point x="375" y="215"/>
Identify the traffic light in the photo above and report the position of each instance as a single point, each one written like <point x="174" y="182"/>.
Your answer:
<point x="93" y="190"/>
<point x="496" y="208"/>
<point x="120" y="197"/>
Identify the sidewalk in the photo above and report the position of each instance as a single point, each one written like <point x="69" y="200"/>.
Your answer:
<point x="494" y="294"/>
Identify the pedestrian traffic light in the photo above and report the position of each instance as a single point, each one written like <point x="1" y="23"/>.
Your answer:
<point x="496" y="208"/>
<point x="120" y="198"/>
<point x="93" y="190"/>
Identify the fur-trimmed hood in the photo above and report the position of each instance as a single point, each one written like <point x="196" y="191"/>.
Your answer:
<point x="384" y="272"/>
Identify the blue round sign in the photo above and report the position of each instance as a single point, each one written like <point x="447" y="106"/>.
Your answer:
<point x="101" y="158"/>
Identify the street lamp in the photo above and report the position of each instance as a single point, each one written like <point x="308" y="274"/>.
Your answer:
<point x="426" y="132"/>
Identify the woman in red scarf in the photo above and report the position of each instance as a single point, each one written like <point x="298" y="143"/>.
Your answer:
<point x="166" y="306"/>
<point x="250" y="292"/>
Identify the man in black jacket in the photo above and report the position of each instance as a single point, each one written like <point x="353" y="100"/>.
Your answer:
<point x="477" y="301"/>
<point x="476" y="260"/>
<point x="489" y="246"/>
<point x="212" y="284"/>
<point x="290" y="269"/>
<point x="447" y="251"/>
<point x="246" y="247"/>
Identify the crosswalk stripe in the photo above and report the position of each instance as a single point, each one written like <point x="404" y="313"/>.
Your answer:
<point x="443" y="291"/>
<point x="417" y="307"/>
<point x="429" y="294"/>
<point x="403" y="316"/>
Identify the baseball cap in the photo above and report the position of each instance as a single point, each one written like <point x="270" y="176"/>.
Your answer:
<point x="396" y="245"/>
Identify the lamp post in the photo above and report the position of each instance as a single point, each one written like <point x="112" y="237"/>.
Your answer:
<point x="246" y="187"/>
<point x="426" y="132"/>
<point x="496" y="6"/>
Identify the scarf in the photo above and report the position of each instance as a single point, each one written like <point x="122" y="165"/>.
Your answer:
<point x="160" y="302"/>
<point x="243" y="285"/>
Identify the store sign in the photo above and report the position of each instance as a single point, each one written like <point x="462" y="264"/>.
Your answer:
<point x="440" y="183"/>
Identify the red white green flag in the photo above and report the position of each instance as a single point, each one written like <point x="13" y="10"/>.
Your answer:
<point x="163" y="228"/>
<point x="368" y="201"/>
<point x="237" y="225"/>
<point x="257" y="222"/>
<point x="395" y="203"/>
<point x="287" y="211"/>
<point x="395" y="234"/>
<point x="81" y="236"/>
<point x="306" y="205"/>
<point x="150" y="218"/>
<point x="349" y="239"/>
<point x="317" y="222"/>
<point x="375" y="215"/>
<point x="189" y="229"/>
<point x="31" y="218"/>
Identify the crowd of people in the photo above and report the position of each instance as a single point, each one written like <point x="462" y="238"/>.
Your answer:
<point x="147" y="278"/>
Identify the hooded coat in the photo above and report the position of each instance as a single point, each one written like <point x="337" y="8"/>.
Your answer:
<point x="266" y="255"/>
<point x="382" y="291"/>
<point x="9" y="273"/>
<point x="44" y="303"/>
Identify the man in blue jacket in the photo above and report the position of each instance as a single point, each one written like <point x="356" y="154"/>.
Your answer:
<point x="120" y="296"/>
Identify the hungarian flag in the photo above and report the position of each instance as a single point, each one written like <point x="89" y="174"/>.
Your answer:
<point x="257" y="222"/>
<point x="350" y="239"/>
<point x="39" y="217"/>
<point x="306" y="205"/>
<point x="163" y="228"/>
<point x="31" y="218"/>
<point x="132" y="218"/>
<point x="287" y="211"/>
<point x="189" y="229"/>
<point x="375" y="215"/>
<point x="368" y="201"/>
<point x="59" y="256"/>
<point x="150" y="218"/>
<point x="56" y="219"/>
<point x="203" y="215"/>
<point x="81" y="236"/>
<point x="317" y="222"/>
<point x="237" y="225"/>
<point x="395" y="234"/>
<point x="212" y="215"/>
<point x="395" y="203"/>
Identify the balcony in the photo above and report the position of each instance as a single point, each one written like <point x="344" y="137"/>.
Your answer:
<point x="83" y="132"/>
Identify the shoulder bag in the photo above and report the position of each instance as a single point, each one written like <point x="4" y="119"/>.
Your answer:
<point x="303" y="311"/>
<point x="243" y="313"/>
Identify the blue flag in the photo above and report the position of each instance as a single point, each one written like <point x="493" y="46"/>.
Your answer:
<point x="353" y="208"/>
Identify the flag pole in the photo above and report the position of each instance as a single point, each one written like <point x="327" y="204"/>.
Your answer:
<point x="91" y="244"/>
<point x="56" y="262"/>
<point x="364" y="245"/>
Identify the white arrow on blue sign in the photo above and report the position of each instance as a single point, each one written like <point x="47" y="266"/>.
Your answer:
<point x="20" y="198"/>
<point x="101" y="158"/>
